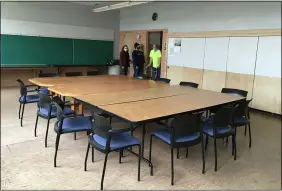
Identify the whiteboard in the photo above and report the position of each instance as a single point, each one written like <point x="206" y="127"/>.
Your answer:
<point x="242" y="55"/>
<point x="191" y="54"/>
<point x="216" y="53"/>
<point x="269" y="57"/>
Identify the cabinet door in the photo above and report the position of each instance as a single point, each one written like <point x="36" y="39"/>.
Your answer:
<point x="216" y="53"/>
<point x="193" y="59"/>
<point x="267" y="83"/>
<point x="241" y="63"/>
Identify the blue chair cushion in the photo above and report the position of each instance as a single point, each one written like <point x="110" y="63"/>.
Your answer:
<point x="29" y="99"/>
<point x="120" y="140"/>
<point x="208" y="129"/>
<point x="44" y="111"/>
<point x="79" y="123"/>
<point x="240" y="121"/>
<point x="165" y="135"/>
<point x="44" y="91"/>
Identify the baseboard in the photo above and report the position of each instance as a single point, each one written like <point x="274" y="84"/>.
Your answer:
<point x="265" y="112"/>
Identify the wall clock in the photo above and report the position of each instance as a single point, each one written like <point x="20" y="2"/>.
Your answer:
<point x="155" y="16"/>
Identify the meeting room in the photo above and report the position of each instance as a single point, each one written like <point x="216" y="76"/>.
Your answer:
<point x="140" y="95"/>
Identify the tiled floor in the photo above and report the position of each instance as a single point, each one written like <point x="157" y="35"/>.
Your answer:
<point x="27" y="164"/>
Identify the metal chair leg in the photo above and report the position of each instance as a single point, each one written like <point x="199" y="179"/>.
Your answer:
<point x="206" y="142"/>
<point x="150" y="154"/>
<point x="35" y="126"/>
<point x="186" y="152"/>
<point x="92" y="154"/>
<point x="120" y="154"/>
<point x="245" y="132"/>
<point x="22" y="115"/>
<point x="177" y="154"/>
<point x="203" y="155"/>
<point x="234" y="146"/>
<point x="172" y="167"/>
<point x="250" y="136"/>
<point x="74" y="136"/>
<point x="56" y="149"/>
<point x="143" y="139"/>
<point x="86" y="157"/>
<point x="139" y="161"/>
<point x="215" y="155"/>
<point x="20" y="108"/>
<point x="104" y="169"/>
<point x="47" y="130"/>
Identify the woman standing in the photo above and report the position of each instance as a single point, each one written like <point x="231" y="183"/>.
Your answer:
<point x="124" y="59"/>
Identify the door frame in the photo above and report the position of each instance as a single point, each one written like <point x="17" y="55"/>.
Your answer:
<point x="144" y="41"/>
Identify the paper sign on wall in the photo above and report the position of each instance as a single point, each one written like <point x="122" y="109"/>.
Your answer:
<point x="177" y="45"/>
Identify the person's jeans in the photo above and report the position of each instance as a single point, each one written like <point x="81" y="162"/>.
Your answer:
<point x="124" y="70"/>
<point x="136" y="71"/>
<point x="156" y="73"/>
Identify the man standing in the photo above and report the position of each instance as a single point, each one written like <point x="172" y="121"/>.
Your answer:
<point x="155" y="59"/>
<point x="138" y="60"/>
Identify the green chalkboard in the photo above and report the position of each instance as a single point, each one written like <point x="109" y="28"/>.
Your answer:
<point x="30" y="50"/>
<point x="92" y="52"/>
<point x="17" y="50"/>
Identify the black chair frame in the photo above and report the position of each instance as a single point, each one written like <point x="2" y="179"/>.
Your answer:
<point x="107" y="131"/>
<point x="174" y="144"/>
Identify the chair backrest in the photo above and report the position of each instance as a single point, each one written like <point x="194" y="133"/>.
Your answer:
<point x="224" y="116"/>
<point x="42" y="75"/>
<point x="190" y="84"/>
<point x="44" y="100"/>
<point x="101" y="126"/>
<point x="56" y="100"/>
<point x="164" y="80"/>
<point x="73" y="74"/>
<point x="242" y="108"/>
<point x="93" y="73"/>
<point x="23" y="89"/>
<point x="233" y="91"/>
<point x="185" y="124"/>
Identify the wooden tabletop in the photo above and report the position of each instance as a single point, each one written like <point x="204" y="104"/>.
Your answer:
<point x="145" y="110"/>
<point x="52" y="81"/>
<point x="77" y="89"/>
<point x="134" y="95"/>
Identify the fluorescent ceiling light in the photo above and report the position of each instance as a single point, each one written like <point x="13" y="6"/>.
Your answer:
<point x="119" y="5"/>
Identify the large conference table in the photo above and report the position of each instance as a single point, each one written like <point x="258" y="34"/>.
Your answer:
<point x="133" y="100"/>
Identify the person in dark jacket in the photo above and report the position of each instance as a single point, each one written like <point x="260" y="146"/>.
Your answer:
<point x="124" y="59"/>
<point x="138" y="60"/>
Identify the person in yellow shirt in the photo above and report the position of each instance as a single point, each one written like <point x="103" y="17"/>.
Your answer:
<point x="155" y="59"/>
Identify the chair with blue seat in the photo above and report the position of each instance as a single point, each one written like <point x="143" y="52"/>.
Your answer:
<point x="69" y="74"/>
<point x="47" y="74"/>
<point x="106" y="139"/>
<point x="26" y="98"/>
<point x="47" y="110"/>
<point x="220" y="126"/>
<point x="190" y="84"/>
<point x="185" y="131"/>
<point x="93" y="73"/>
<point x="44" y="75"/>
<point x="242" y="118"/>
<point x="165" y="80"/>
<point x="231" y="91"/>
<point x="71" y="123"/>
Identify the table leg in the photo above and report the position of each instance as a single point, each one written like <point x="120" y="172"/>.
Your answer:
<point x="142" y="152"/>
<point x="80" y="108"/>
<point x="72" y="102"/>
